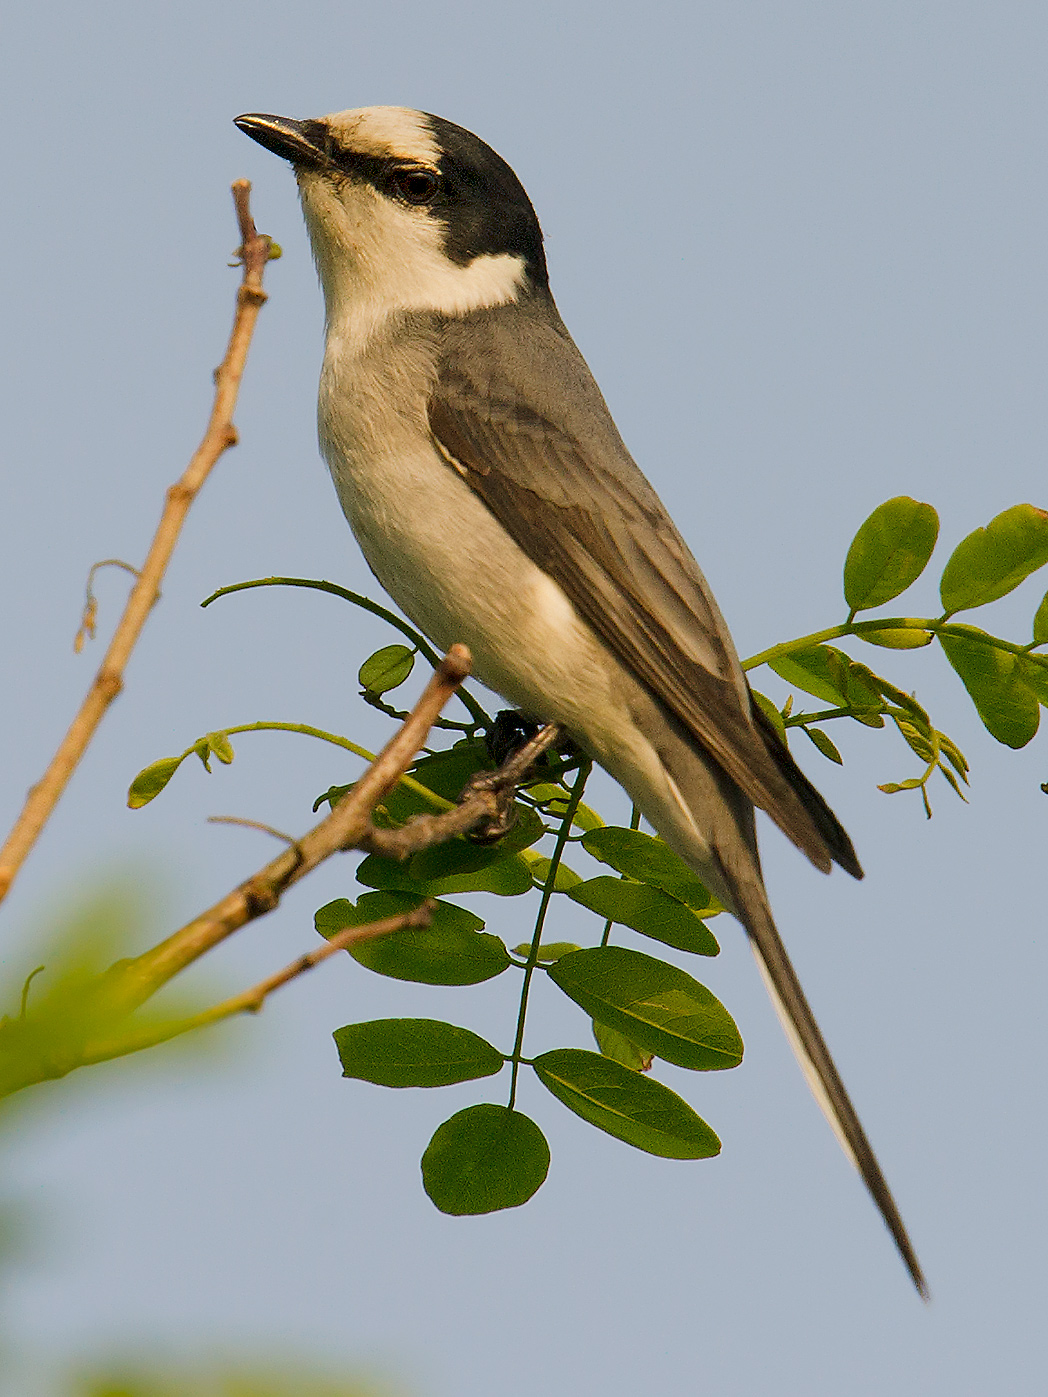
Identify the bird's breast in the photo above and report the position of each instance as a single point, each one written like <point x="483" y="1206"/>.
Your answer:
<point x="442" y="555"/>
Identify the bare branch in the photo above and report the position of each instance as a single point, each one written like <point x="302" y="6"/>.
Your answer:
<point x="254" y="252"/>
<point x="344" y="828"/>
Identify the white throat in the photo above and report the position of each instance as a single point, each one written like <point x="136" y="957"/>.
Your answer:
<point x="377" y="258"/>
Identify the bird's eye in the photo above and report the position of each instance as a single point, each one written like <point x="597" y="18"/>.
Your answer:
<point x="416" y="186"/>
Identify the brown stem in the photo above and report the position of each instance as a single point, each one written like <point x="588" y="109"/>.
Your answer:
<point x="254" y="252"/>
<point x="344" y="828"/>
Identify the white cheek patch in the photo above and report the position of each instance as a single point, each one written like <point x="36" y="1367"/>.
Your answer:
<point x="377" y="258"/>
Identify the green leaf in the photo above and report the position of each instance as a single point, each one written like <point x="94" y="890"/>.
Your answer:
<point x="646" y="859"/>
<point x="484" y="1158"/>
<point x="889" y="552"/>
<point x="627" y="1105"/>
<point x="809" y="669"/>
<point x="445" y="773"/>
<point x="549" y="951"/>
<point x="904" y="700"/>
<point x="414" y="1053"/>
<point x="832" y="676"/>
<point x="585" y="817"/>
<point x="621" y="1049"/>
<point x="151" y="780"/>
<point x="221" y="746"/>
<point x="991" y="562"/>
<point x="386" y="669"/>
<point x="1035" y="675"/>
<point x="555" y="800"/>
<point x="332" y="796"/>
<point x="905" y="638"/>
<point x="459" y="856"/>
<point x="954" y="756"/>
<point x="952" y="780"/>
<point x="916" y="740"/>
<point x="452" y="858"/>
<point x="373" y="907"/>
<point x="450" y="951"/>
<point x="1040" y="622"/>
<point x="857" y="682"/>
<point x="996" y="685"/>
<point x="507" y="877"/>
<point x="545" y="791"/>
<point x="527" y="829"/>
<point x="771" y="713"/>
<point x="824" y="744"/>
<point x="656" y="1005"/>
<point x="648" y="910"/>
<point x="448" y="771"/>
<point x="540" y="866"/>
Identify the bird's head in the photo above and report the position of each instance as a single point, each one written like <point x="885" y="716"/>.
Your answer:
<point x="407" y="210"/>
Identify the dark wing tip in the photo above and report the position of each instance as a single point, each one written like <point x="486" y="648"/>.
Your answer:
<point x="829" y="837"/>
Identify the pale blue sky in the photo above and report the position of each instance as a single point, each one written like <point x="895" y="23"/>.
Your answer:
<point x="802" y="246"/>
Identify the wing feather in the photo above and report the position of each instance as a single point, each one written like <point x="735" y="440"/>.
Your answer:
<point x="523" y="419"/>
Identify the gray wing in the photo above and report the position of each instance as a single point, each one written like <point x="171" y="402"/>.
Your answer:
<point x="516" y="408"/>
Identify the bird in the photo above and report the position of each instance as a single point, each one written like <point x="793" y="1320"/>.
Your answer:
<point x="493" y="498"/>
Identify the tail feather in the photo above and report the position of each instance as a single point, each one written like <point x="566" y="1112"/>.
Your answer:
<point x="702" y="814"/>
<point x="819" y="1069"/>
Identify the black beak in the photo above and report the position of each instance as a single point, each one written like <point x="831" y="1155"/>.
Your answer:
<point x="301" y="142"/>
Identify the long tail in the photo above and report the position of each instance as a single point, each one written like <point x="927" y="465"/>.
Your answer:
<point x="706" y="818"/>
<point x="702" y="814"/>
<point x="819" y="1069"/>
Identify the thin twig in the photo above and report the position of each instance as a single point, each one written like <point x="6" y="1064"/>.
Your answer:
<point x="250" y="1001"/>
<point x="484" y="802"/>
<point x="342" y="829"/>
<point x="252" y="824"/>
<point x="254" y="252"/>
<point x="89" y="615"/>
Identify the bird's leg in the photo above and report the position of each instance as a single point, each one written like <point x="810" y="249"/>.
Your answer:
<point x="516" y="743"/>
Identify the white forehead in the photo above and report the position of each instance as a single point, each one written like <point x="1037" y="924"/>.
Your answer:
<point x="396" y="131"/>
